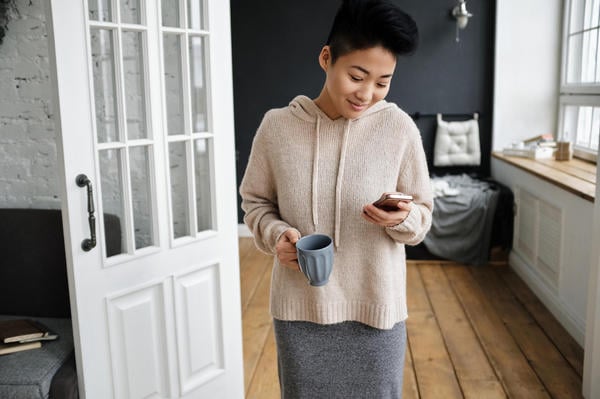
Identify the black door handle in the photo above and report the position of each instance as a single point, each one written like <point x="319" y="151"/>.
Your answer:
<point x="88" y="243"/>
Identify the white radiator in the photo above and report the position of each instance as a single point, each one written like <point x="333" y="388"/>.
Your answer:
<point x="538" y="235"/>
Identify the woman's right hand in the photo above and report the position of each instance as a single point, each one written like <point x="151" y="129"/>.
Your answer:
<point x="286" y="249"/>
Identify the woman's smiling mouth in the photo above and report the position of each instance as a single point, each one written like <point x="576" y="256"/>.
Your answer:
<point x="357" y="107"/>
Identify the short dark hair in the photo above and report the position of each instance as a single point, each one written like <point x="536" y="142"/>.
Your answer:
<point x="362" y="24"/>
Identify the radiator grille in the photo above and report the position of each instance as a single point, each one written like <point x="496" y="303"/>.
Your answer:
<point x="538" y="234"/>
<point x="549" y="251"/>
<point x="527" y="208"/>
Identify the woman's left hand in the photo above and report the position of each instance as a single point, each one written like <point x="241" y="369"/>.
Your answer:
<point x="383" y="218"/>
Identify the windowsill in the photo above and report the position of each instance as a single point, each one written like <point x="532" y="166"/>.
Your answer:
<point x="576" y="176"/>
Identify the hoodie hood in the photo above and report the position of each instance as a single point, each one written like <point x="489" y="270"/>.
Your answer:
<point x="305" y="109"/>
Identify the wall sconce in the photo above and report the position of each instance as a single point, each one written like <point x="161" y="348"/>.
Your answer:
<point x="460" y="13"/>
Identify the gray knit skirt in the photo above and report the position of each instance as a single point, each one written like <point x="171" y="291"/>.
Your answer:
<point x="345" y="360"/>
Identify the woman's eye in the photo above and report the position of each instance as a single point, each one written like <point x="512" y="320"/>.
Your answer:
<point x="355" y="78"/>
<point x="382" y="85"/>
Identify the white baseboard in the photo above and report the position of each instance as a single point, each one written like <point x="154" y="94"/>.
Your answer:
<point x="244" y="231"/>
<point x="574" y="324"/>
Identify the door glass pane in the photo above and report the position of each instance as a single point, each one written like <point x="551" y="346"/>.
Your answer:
<point x="130" y="12"/>
<point x="591" y="14"/>
<point x="133" y="59"/>
<point x="595" y="128"/>
<point x="584" y="126"/>
<point x="170" y="13"/>
<point x="576" y="13"/>
<point x="574" y="64"/>
<point x="571" y="116"/>
<point x="112" y="202"/>
<point x="203" y="162"/>
<point x="139" y="162"/>
<point x="104" y="84"/>
<point x="100" y="10"/>
<point x="588" y="56"/>
<point x="583" y="45"/>
<point x="196" y="14"/>
<point x="597" y="60"/>
<point x="198" y="84"/>
<point x="173" y="84"/>
<point x="179" y="189"/>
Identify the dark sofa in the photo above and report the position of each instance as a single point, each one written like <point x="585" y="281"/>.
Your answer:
<point x="33" y="284"/>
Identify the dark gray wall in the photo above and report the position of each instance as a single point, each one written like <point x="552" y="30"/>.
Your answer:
<point x="276" y="44"/>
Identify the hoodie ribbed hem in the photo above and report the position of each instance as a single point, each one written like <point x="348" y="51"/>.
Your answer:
<point x="378" y="316"/>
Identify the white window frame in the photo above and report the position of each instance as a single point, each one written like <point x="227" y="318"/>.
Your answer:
<point x="575" y="94"/>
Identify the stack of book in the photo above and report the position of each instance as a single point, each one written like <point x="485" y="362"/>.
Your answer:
<point x="542" y="146"/>
<point x="531" y="152"/>
<point x="540" y="138"/>
<point x="23" y="334"/>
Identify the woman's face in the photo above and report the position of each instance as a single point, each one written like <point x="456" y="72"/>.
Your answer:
<point x="355" y="81"/>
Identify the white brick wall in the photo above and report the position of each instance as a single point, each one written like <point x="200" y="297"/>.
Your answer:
<point x="28" y="153"/>
<point x="28" y="160"/>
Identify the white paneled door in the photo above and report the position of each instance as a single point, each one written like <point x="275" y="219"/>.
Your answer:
<point x="144" y="112"/>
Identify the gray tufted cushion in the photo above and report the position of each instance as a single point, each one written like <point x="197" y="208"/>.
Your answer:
<point x="28" y="374"/>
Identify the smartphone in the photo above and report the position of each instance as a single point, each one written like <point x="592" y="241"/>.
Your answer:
<point x="389" y="201"/>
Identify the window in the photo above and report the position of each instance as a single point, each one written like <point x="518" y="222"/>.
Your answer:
<point x="580" y="80"/>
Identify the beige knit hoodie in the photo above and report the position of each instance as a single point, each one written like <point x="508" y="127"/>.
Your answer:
<point x="314" y="174"/>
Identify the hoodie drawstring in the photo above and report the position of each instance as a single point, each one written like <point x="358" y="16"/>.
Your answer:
<point x="315" y="177"/>
<point x="338" y="185"/>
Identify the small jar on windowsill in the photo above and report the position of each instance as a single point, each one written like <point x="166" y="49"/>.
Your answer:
<point x="564" y="151"/>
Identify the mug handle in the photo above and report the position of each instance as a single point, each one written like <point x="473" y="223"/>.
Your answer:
<point x="302" y="269"/>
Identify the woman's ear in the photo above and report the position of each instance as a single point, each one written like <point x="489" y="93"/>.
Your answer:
<point x="325" y="58"/>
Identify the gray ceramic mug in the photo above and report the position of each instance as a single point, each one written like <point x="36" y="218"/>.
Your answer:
<point x="315" y="256"/>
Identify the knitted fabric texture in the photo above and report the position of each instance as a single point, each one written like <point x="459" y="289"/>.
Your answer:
<point x="314" y="174"/>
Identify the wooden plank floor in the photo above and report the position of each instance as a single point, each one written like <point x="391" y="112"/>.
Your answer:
<point x="473" y="332"/>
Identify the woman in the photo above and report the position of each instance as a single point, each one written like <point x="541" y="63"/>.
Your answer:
<point x="316" y="166"/>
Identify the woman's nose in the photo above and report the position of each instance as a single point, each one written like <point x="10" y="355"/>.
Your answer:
<point x="364" y="95"/>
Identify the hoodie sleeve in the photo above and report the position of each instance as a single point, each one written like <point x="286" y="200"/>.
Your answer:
<point x="259" y="195"/>
<point x="414" y="179"/>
